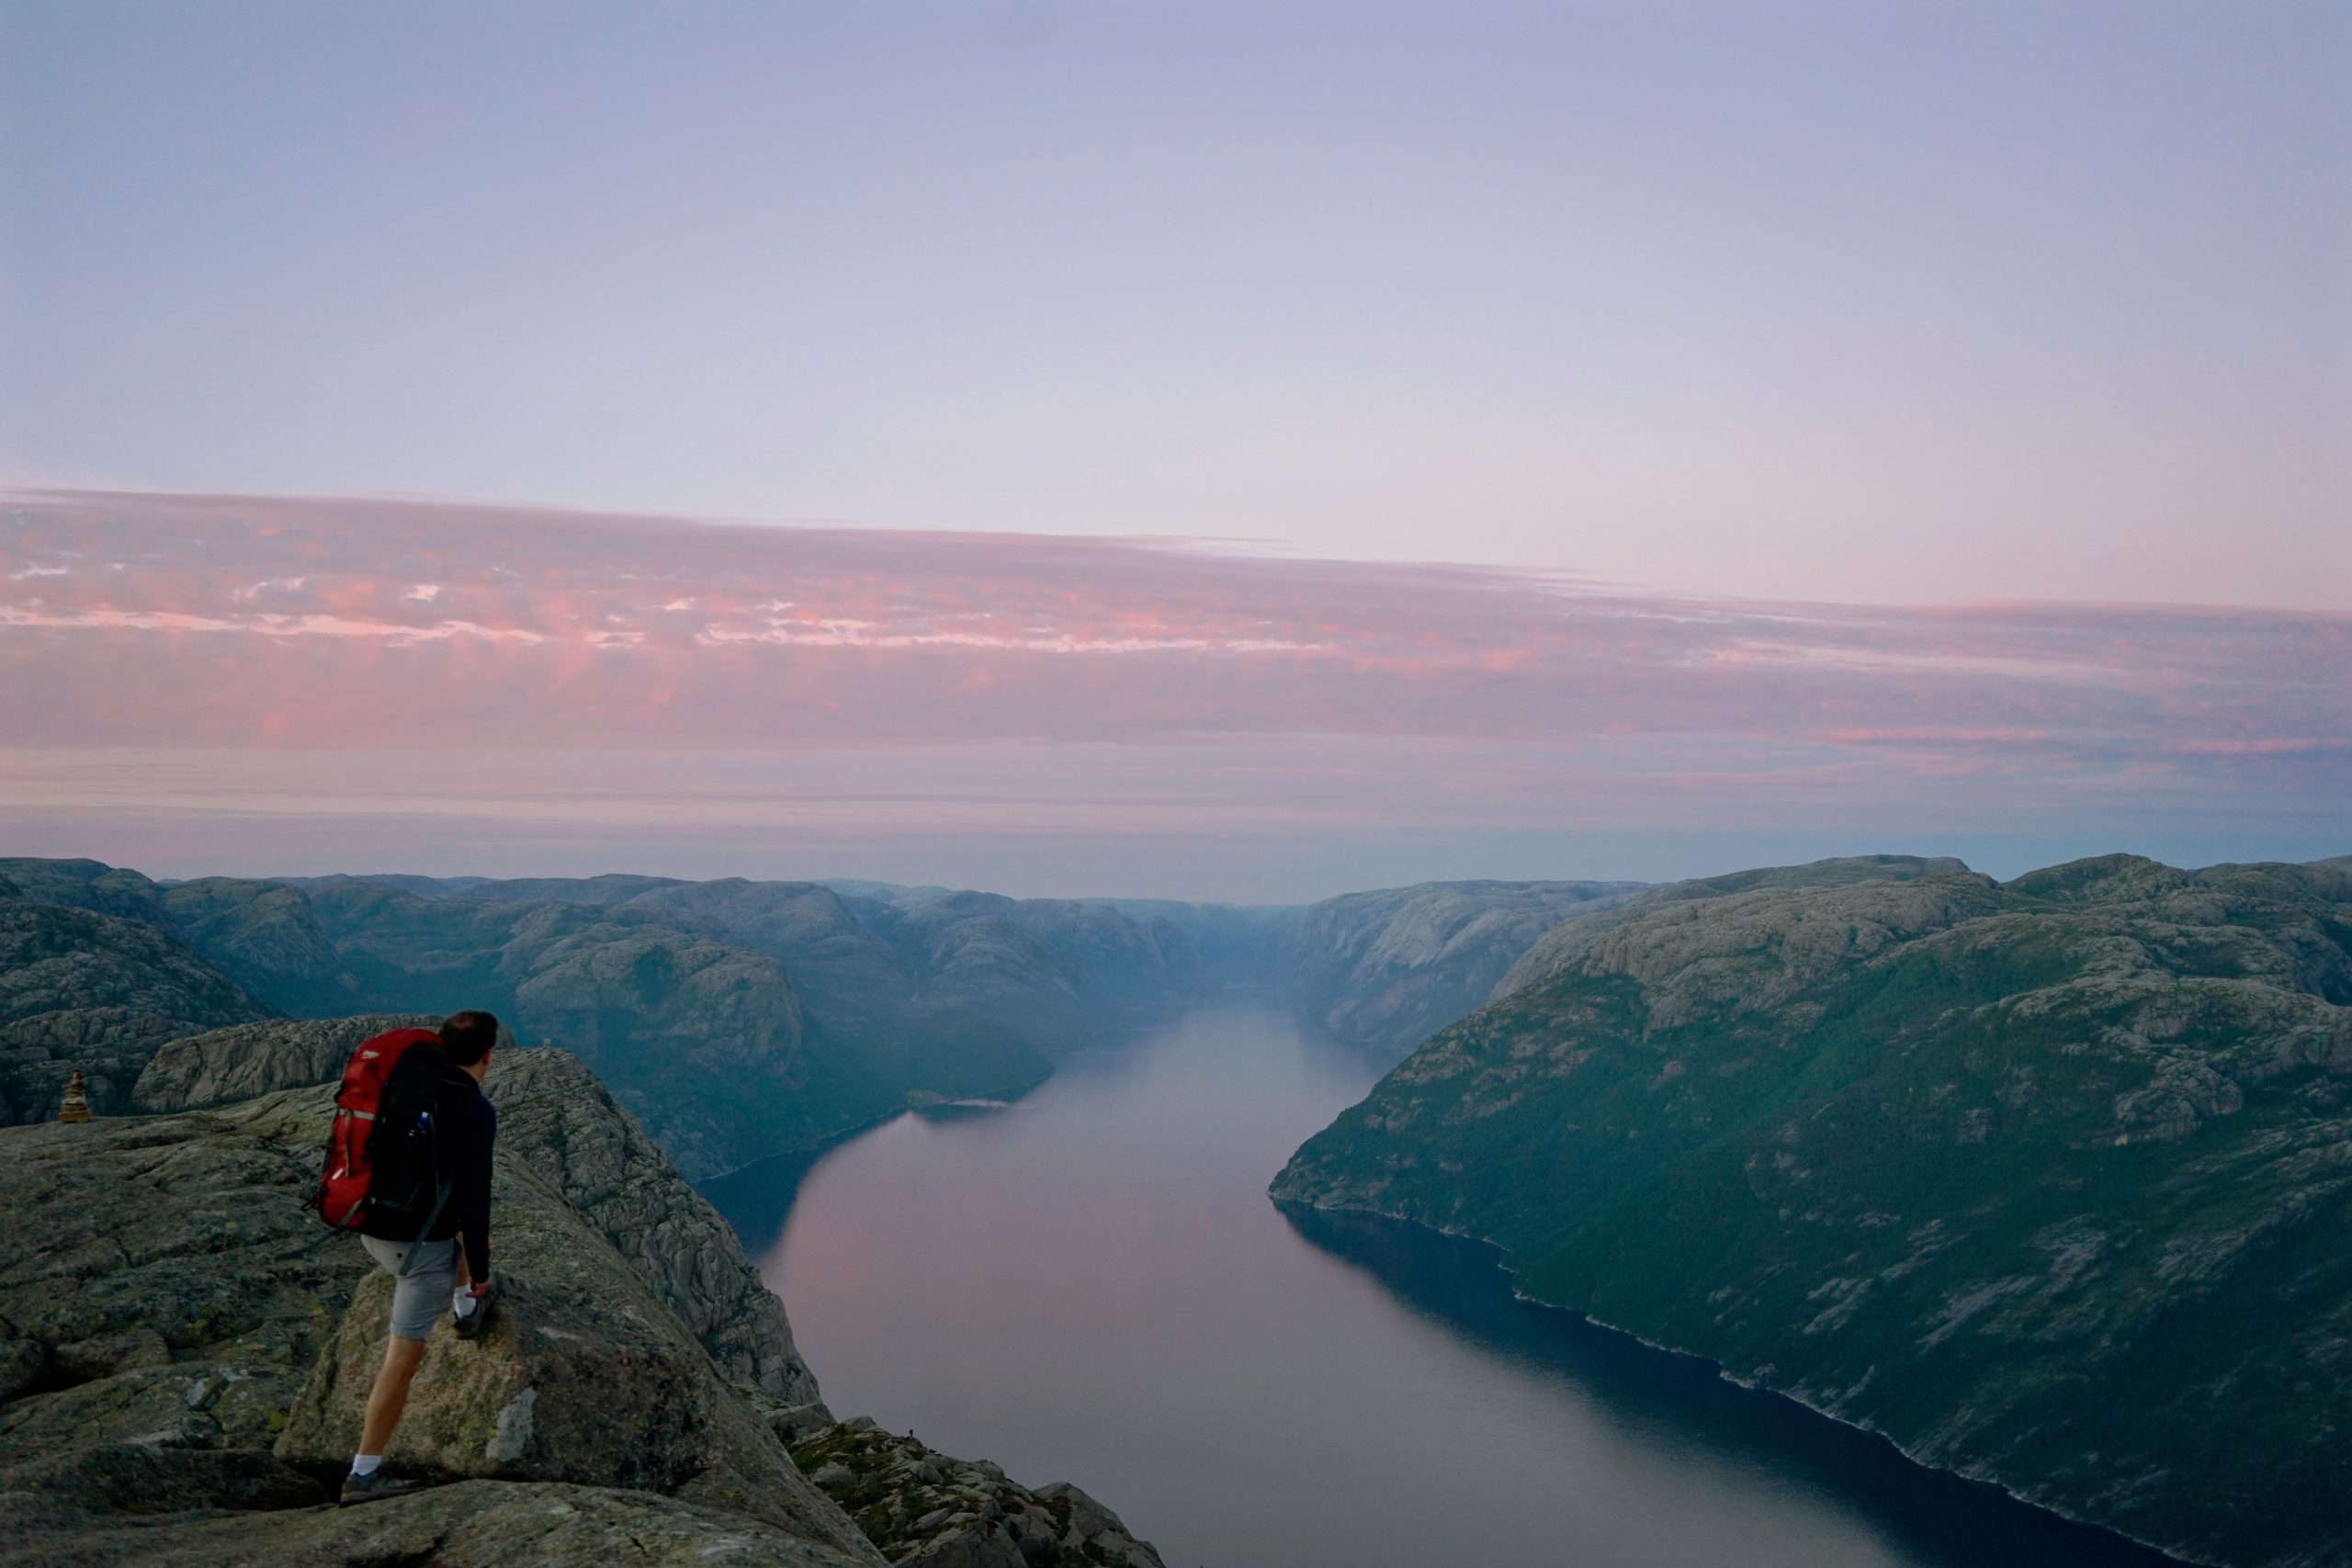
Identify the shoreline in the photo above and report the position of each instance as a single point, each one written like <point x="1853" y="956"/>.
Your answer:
<point x="1728" y="1375"/>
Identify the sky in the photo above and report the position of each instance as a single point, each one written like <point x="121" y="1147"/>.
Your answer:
<point x="1199" y="449"/>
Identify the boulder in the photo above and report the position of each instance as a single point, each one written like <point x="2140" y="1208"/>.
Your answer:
<point x="924" y="1508"/>
<point x="582" y="1375"/>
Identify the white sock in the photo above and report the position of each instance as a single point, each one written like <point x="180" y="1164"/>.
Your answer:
<point x="462" y="1302"/>
<point x="365" y="1464"/>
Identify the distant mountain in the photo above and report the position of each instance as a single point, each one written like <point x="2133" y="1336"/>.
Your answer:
<point x="742" y="1018"/>
<point x="2048" y="1180"/>
<point x="262" y="934"/>
<point x="1388" y="968"/>
<point x="1547" y="954"/>
<point x="101" y="992"/>
<point x="703" y="1041"/>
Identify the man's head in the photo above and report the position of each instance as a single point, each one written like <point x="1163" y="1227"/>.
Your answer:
<point x="466" y="1040"/>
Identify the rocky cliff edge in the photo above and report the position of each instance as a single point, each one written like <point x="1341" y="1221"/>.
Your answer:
<point x="183" y="1351"/>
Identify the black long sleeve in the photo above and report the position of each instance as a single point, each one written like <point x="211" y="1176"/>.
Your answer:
<point x="468" y="1131"/>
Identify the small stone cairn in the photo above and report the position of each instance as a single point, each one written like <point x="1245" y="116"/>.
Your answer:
<point x="75" y="1106"/>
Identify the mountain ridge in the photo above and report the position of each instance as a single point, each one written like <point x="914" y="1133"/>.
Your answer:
<point x="2030" y="1177"/>
<point x="742" y="1020"/>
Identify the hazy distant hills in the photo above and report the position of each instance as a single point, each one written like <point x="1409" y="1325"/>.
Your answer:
<point x="2049" y="1181"/>
<point x="1388" y="968"/>
<point x="737" y="1019"/>
<point x="100" y="992"/>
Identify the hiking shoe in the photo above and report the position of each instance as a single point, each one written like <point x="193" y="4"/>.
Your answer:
<point x="471" y="1326"/>
<point x="376" y="1483"/>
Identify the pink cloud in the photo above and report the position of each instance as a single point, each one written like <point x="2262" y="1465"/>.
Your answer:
<point x="229" y="622"/>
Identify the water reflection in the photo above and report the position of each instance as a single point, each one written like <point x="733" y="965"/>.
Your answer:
<point x="1092" y="1285"/>
<point x="1682" y="1404"/>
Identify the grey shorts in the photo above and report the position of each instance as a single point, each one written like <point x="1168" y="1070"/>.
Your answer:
<point x="425" y="1274"/>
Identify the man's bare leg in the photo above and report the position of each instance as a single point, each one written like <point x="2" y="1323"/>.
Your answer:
<point x="389" y="1396"/>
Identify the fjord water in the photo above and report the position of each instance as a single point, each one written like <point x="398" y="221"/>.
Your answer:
<point x="1092" y="1285"/>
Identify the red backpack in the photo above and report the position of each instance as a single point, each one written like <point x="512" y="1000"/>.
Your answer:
<point x="342" y="1186"/>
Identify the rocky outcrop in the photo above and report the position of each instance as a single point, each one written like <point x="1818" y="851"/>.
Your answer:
<point x="556" y="1120"/>
<point x="473" y="1523"/>
<point x="2045" y="1180"/>
<point x="179" y="1379"/>
<point x="79" y="989"/>
<point x="1558" y="947"/>
<point x="246" y="1060"/>
<point x="925" y="1508"/>
<point x="172" y="1339"/>
<point x="162" y="1294"/>
<point x="582" y="1375"/>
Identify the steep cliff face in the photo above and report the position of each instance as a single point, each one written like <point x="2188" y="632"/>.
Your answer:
<point x="1055" y="973"/>
<point x="2047" y="1180"/>
<point x="583" y="1375"/>
<point x="180" y="1376"/>
<point x="555" y="1119"/>
<point x="97" y="992"/>
<point x="1387" y="969"/>
<point x="178" y="1341"/>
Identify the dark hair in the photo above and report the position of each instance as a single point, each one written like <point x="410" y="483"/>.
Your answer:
<point x="467" y="1037"/>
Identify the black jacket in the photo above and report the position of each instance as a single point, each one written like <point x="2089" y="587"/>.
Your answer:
<point x="465" y="1129"/>
<point x="468" y="1129"/>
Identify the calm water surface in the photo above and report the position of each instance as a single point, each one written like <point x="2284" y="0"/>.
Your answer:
<point x="1091" y="1285"/>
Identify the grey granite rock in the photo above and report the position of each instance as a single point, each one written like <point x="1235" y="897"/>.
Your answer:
<point x="161" y="1282"/>
<point x="474" y="1524"/>
<point x="924" y="1508"/>
<point x="248" y="1060"/>
<point x="582" y="1375"/>
<point x="557" y="1119"/>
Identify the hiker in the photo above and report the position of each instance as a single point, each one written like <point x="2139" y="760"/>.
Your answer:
<point x="427" y="1218"/>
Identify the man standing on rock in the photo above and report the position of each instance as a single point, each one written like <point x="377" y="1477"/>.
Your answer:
<point x="430" y="1191"/>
